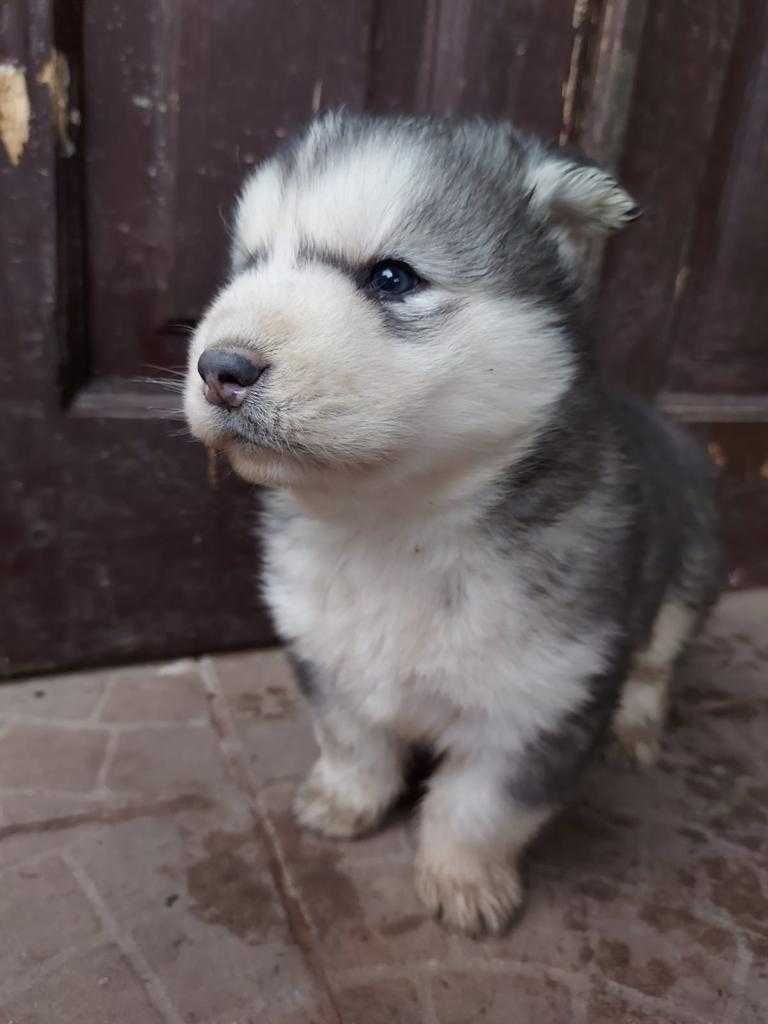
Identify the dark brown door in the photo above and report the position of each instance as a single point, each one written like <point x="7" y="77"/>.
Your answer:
<point x="115" y="188"/>
<point x="684" y="314"/>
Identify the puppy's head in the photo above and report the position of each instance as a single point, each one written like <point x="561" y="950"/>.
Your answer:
<point x="400" y="297"/>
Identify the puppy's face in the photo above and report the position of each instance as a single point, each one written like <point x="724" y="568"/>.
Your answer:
<point x="398" y="299"/>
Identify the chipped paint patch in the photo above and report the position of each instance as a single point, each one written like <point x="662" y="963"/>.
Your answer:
<point x="317" y="95"/>
<point x="55" y="77"/>
<point x="14" y="111"/>
<point x="681" y="281"/>
<point x="717" y="454"/>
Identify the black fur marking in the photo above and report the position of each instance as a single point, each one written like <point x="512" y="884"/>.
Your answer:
<point x="550" y="768"/>
<point x="559" y="470"/>
<point x="405" y="324"/>
<point x="248" y="259"/>
<point x="304" y="673"/>
<point x="308" y="252"/>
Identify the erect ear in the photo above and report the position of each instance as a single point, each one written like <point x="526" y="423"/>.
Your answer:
<point x="580" y="201"/>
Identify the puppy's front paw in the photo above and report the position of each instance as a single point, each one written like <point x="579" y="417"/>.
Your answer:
<point x="640" y="745"/>
<point x="340" y="814"/>
<point x="469" y="894"/>
<point x="638" y="724"/>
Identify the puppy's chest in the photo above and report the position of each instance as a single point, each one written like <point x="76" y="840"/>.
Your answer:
<point x="389" y="609"/>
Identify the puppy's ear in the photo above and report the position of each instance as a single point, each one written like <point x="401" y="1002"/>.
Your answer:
<point x="580" y="201"/>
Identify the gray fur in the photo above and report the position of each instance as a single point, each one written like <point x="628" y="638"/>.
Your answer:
<point x="614" y="453"/>
<point x="472" y="208"/>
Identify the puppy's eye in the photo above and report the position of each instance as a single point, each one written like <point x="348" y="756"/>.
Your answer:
<point x="392" y="278"/>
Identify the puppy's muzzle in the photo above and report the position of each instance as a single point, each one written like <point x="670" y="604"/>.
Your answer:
<point x="228" y="375"/>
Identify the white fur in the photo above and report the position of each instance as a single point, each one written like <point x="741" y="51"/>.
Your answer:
<point x="674" y="625"/>
<point x="582" y="202"/>
<point x="583" y="195"/>
<point x="366" y="598"/>
<point x="640" y="717"/>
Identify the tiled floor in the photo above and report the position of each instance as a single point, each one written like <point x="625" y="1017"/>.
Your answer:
<point x="150" y="870"/>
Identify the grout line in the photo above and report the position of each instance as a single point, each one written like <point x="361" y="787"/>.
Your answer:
<point x="107" y="814"/>
<point x="106" y="764"/>
<point x="651" y="1003"/>
<point x="580" y="1001"/>
<point x="744" y="960"/>
<point x="88" y="795"/>
<point x="288" y="882"/>
<point x="12" y="990"/>
<point x="31" y="860"/>
<point x="89" y="725"/>
<point x="455" y="962"/>
<point x="152" y="984"/>
<point x="300" y="925"/>
<point x="106" y="693"/>
<point x="424" y="989"/>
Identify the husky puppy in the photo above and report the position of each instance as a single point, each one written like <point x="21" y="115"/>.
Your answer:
<point x="470" y="542"/>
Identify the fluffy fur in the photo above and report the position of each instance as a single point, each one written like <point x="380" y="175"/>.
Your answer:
<point x="469" y="542"/>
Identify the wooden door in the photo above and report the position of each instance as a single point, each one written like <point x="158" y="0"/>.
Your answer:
<point x="115" y="191"/>
<point x="684" y="310"/>
<point x="116" y="183"/>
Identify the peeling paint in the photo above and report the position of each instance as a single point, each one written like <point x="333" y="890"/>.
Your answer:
<point x="55" y="77"/>
<point x="14" y="111"/>
<point x="317" y="95"/>
<point x="681" y="281"/>
<point x="717" y="454"/>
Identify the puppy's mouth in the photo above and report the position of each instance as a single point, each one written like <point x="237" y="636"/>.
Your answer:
<point x="233" y="430"/>
<point x="255" y="437"/>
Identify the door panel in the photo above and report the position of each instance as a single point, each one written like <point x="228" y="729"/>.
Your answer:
<point x="685" y="292"/>
<point x="181" y="99"/>
<point x="720" y="326"/>
<point x="681" y="70"/>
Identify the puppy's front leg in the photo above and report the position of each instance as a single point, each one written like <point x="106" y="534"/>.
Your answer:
<point x="357" y="777"/>
<point x="473" y="831"/>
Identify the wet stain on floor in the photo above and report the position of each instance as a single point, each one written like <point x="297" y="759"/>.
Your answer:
<point x="226" y="890"/>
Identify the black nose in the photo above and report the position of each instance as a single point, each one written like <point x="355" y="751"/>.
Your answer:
<point x="228" y="375"/>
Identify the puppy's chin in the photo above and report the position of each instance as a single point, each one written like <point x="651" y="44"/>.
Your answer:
<point x="264" y="467"/>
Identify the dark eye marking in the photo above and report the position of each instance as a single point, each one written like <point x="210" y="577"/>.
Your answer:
<point x="310" y="252"/>
<point x="391" y="279"/>
<point x="247" y="259"/>
<point x="383" y="279"/>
